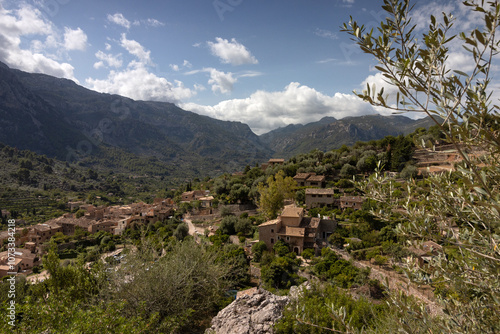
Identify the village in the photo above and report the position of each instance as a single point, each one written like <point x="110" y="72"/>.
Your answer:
<point x="292" y="226"/>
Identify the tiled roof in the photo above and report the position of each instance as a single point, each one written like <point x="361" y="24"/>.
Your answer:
<point x="292" y="211"/>
<point x="271" y="222"/>
<point x="319" y="191"/>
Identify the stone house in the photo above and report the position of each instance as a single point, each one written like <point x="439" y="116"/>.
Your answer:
<point x="272" y="162"/>
<point x="353" y="202"/>
<point x="425" y="252"/>
<point x="193" y="195"/>
<point x="317" y="197"/>
<point x="298" y="231"/>
<point x="24" y="259"/>
<point x="43" y="232"/>
<point x="310" y="180"/>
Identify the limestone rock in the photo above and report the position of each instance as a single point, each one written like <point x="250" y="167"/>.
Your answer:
<point x="250" y="314"/>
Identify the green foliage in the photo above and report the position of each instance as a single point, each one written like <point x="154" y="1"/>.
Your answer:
<point x="281" y="273"/>
<point x="281" y="248"/>
<point x="273" y="195"/>
<point x="308" y="253"/>
<point x="181" y="231"/>
<point x="325" y="309"/>
<point x="468" y="197"/>
<point x="347" y="171"/>
<point x="227" y="225"/>
<point x="343" y="273"/>
<point x="258" y="249"/>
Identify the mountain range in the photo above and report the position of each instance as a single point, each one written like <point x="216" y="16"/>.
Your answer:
<point x="61" y="119"/>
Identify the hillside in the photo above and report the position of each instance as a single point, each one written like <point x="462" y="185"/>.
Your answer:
<point x="329" y="133"/>
<point x="61" y="119"/>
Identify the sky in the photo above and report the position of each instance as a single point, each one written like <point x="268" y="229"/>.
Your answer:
<point x="264" y="63"/>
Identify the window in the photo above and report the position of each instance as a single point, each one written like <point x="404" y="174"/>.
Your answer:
<point x="272" y="230"/>
<point x="272" y="240"/>
<point x="287" y="238"/>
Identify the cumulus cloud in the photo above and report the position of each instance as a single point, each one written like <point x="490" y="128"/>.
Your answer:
<point x="220" y="81"/>
<point x="264" y="111"/>
<point x="29" y="21"/>
<point x="177" y="68"/>
<point x="119" y="19"/>
<point x="75" y="39"/>
<point x="136" y="82"/>
<point x="136" y="49"/>
<point x="231" y="52"/>
<point x="106" y="59"/>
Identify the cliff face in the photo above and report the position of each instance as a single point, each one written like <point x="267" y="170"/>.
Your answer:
<point x="250" y="314"/>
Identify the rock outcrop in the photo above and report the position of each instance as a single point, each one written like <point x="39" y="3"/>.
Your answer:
<point x="249" y="314"/>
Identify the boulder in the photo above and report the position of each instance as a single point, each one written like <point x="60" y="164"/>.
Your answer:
<point x="250" y="314"/>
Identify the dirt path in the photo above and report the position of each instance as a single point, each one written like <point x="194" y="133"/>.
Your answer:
<point x="396" y="282"/>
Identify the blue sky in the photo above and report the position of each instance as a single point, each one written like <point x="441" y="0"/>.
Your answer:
<point x="264" y="63"/>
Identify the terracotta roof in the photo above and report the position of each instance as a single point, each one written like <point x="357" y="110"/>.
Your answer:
<point x="292" y="211"/>
<point x="314" y="222"/>
<point x="303" y="176"/>
<point x="352" y="199"/>
<point x="319" y="191"/>
<point x="276" y="160"/>
<point x="295" y="231"/>
<point x="271" y="222"/>
<point x="317" y="178"/>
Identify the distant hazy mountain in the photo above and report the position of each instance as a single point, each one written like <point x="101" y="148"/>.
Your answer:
<point x="329" y="133"/>
<point x="59" y="118"/>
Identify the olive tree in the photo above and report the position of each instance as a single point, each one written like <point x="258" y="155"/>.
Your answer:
<point x="459" y="210"/>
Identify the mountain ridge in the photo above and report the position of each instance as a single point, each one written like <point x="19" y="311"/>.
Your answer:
<point x="62" y="119"/>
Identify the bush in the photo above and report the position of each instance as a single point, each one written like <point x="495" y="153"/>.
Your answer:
<point x="181" y="231"/>
<point x="380" y="260"/>
<point x="281" y="248"/>
<point x="308" y="253"/>
<point x="227" y="225"/>
<point x="258" y="249"/>
<point x="243" y="225"/>
<point x="225" y="211"/>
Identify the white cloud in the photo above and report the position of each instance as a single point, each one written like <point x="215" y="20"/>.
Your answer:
<point x="231" y="52"/>
<point x="327" y="60"/>
<point x="106" y="59"/>
<point x="108" y="46"/>
<point x="136" y="49"/>
<point x="325" y="34"/>
<point x="138" y="83"/>
<point x="29" y="21"/>
<point x="220" y="81"/>
<point x="177" y="68"/>
<point x="154" y="23"/>
<point x="75" y="39"/>
<point x="119" y="19"/>
<point x="264" y="111"/>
